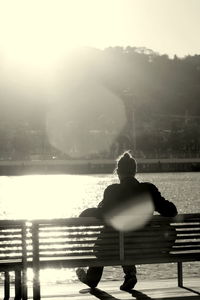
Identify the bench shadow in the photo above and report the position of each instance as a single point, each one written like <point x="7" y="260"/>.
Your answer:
<point x="102" y="295"/>
<point x="139" y="295"/>
<point x="190" y="290"/>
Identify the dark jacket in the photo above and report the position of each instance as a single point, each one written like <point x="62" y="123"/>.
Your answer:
<point x="114" y="194"/>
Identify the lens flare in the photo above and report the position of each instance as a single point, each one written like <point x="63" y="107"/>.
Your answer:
<point x="132" y="214"/>
<point x="89" y="115"/>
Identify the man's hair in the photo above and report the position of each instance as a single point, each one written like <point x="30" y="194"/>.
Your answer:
<point x="126" y="164"/>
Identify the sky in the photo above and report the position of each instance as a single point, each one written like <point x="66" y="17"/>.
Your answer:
<point x="39" y="32"/>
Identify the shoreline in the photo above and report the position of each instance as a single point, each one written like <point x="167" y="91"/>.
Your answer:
<point x="95" y="166"/>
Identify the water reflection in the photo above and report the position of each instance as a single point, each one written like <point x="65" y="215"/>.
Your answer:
<point x="57" y="196"/>
<point x="48" y="196"/>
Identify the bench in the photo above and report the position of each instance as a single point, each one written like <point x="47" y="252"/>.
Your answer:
<point x="81" y="242"/>
<point x="13" y="256"/>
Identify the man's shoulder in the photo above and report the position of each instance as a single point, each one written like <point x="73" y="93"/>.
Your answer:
<point x="110" y="196"/>
<point x="149" y="186"/>
<point x="112" y="187"/>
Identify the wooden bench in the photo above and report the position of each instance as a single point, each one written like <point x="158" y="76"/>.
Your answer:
<point x="81" y="242"/>
<point x="13" y="256"/>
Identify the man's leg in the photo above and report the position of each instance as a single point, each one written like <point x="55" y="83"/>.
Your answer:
<point x="130" y="277"/>
<point x="91" y="277"/>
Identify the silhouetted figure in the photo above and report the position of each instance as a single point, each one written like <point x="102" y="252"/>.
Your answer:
<point x="113" y="195"/>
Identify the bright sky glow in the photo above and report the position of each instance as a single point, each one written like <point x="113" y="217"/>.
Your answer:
<point x="37" y="33"/>
<point x="38" y="36"/>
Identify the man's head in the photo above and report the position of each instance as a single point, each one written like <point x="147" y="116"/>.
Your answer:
<point x="126" y="166"/>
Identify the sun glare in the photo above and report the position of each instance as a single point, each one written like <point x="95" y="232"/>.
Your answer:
<point x="33" y="34"/>
<point x="37" y="34"/>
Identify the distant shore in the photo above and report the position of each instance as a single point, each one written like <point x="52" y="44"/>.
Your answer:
<point x="95" y="166"/>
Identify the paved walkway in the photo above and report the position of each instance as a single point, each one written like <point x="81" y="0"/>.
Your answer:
<point x="160" y="289"/>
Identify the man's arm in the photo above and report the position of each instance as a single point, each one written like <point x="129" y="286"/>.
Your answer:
<point x="162" y="206"/>
<point x="110" y="197"/>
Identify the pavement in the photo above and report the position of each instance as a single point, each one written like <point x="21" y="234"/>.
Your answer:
<point x="149" y="289"/>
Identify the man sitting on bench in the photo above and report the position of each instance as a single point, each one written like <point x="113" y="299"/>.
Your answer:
<point x="115" y="195"/>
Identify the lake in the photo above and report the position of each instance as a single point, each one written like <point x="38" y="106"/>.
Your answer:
<point x="58" y="196"/>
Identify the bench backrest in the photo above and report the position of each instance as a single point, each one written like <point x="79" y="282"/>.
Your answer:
<point x="12" y="244"/>
<point x="87" y="241"/>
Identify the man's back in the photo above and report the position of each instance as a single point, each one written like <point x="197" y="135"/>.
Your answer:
<point x="117" y="194"/>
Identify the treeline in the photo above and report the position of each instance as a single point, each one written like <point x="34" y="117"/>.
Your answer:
<point x="160" y="95"/>
<point x="156" y="83"/>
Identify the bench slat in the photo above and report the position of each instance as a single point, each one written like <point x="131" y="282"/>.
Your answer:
<point x="190" y="237"/>
<point x="177" y="226"/>
<point x="73" y="262"/>
<point x="9" y="257"/>
<point x="79" y="235"/>
<point x="82" y="254"/>
<point x="145" y="235"/>
<point x="71" y="249"/>
<point x="10" y="235"/>
<point x="186" y="248"/>
<point x="188" y="232"/>
<point x="69" y="230"/>
<point x="187" y="243"/>
<point x="77" y="242"/>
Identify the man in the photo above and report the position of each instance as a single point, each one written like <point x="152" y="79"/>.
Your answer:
<point x="115" y="195"/>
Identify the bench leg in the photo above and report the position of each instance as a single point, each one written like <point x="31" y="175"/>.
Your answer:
<point x="180" y="274"/>
<point x="18" y="285"/>
<point x="180" y="279"/>
<point x="36" y="285"/>
<point x="24" y="285"/>
<point x="6" y="285"/>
